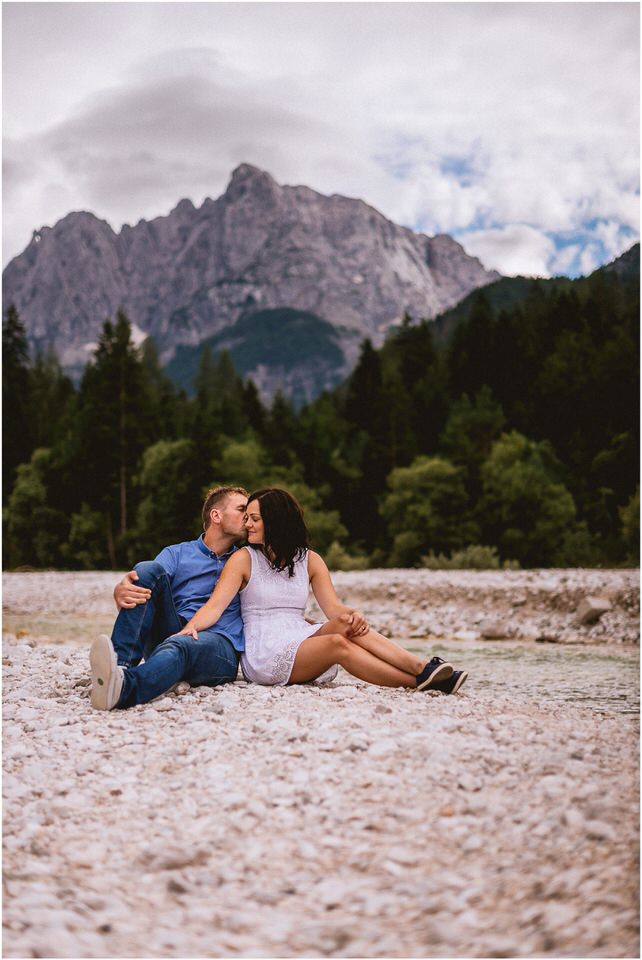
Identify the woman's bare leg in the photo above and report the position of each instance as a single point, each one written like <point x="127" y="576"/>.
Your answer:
<point x="379" y="646"/>
<point x="390" y="651"/>
<point x="321" y="651"/>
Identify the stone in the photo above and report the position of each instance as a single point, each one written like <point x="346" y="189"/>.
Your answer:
<point x="164" y="704"/>
<point x="574" y="819"/>
<point x="490" y="628"/>
<point x="466" y="781"/>
<point x="466" y="635"/>
<point x="598" y="830"/>
<point x="591" y="609"/>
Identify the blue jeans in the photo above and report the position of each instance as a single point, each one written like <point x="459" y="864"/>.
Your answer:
<point x="149" y="630"/>
<point x="138" y="631"/>
<point x="206" y="662"/>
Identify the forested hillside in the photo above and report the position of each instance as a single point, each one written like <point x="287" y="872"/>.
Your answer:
<point x="508" y="434"/>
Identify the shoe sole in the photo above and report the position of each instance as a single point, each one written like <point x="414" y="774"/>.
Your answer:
<point x="442" y="672"/>
<point x="460" y="682"/>
<point x="104" y="675"/>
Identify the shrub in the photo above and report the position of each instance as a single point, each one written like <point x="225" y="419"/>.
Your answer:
<point x="339" y="559"/>
<point x="473" y="557"/>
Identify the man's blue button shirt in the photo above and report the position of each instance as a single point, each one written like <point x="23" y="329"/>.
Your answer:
<point x="193" y="570"/>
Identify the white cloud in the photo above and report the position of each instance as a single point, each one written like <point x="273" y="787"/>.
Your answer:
<point x="589" y="259"/>
<point x="565" y="259"/>
<point x="126" y="108"/>
<point x="514" y="249"/>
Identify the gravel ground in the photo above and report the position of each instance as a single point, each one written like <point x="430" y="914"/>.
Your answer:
<point x="343" y="821"/>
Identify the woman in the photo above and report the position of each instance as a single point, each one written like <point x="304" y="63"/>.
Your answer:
<point x="274" y="574"/>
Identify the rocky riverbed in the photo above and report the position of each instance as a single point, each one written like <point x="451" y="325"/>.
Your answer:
<point x="344" y="821"/>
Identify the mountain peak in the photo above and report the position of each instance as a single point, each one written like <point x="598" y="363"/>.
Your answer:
<point x="248" y="175"/>
<point x="192" y="275"/>
<point x="246" y="170"/>
<point x="184" y="206"/>
<point x="248" y="179"/>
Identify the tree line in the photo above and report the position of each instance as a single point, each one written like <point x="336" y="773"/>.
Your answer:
<point x="515" y="443"/>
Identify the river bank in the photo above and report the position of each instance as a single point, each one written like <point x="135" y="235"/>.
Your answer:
<point x="343" y="821"/>
<point x="538" y="605"/>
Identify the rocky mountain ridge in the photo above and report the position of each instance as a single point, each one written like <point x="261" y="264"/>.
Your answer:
<point x="191" y="275"/>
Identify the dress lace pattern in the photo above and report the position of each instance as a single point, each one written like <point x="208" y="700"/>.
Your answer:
<point x="273" y="607"/>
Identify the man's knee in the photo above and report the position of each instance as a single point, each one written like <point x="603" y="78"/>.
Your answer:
<point x="148" y="572"/>
<point x="179" y="641"/>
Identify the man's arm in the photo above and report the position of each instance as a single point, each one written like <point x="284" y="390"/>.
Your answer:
<point x="127" y="595"/>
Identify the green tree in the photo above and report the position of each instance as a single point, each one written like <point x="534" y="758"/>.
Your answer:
<point x="51" y="395"/>
<point x="426" y="510"/>
<point x="324" y="523"/>
<point x="524" y="510"/>
<point x="470" y="431"/>
<point x="280" y="433"/>
<point x="424" y="375"/>
<point x="168" y="406"/>
<point x="630" y="518"/>
<point x="84" y="548"/>
<point x="169" y="509"/>
<point x="253" y="410"/>
<point x="35" y="529"/>
<point x="365" y="450"/>
<point x="471" y="358"/>
<point x="114" y="428"/>
<point x="242" y="462"/>
<point x="16" y="425"/>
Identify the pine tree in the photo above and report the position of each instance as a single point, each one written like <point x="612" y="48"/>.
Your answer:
<point x="51" y="393"/>
<point x="114" y="428"/>
<point x="16" y="425"/>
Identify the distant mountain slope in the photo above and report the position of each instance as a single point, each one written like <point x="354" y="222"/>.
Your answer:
<point x="508" y="291"/>
<point x="298" y="349"/>
<point x="190" y="276"/>
<point x="628" y="265"/>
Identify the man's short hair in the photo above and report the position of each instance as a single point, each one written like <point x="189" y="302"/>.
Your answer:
<point x="216" y="497"/>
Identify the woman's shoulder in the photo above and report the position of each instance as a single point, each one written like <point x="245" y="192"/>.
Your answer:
<point x="315" y="561"/>
<point x="240" y="557"/>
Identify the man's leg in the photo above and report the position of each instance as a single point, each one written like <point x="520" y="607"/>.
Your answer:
<point x="139" y="630"/>
<point x="208" y="661"/>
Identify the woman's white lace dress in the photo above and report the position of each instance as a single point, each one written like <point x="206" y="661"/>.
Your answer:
<point x="273" y="608"/>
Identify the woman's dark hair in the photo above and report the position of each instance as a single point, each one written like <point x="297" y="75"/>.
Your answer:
<point x="285" y="537"/>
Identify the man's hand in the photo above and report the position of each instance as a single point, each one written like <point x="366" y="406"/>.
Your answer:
<point x="127" y="595"/>
<point x="188" y="631"/>
<point x="357" y="623"/>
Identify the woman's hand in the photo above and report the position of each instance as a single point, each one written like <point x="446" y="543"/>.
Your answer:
<point x="358" y="625"/>
<point x="326" y="597"/>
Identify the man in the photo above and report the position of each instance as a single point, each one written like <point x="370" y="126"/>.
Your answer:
<point x="155" y="601"/>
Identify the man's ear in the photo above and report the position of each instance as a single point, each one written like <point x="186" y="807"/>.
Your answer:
<point x="215" y="516"/>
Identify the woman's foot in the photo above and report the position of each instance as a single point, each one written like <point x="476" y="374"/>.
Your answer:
<point x="452" y="684"/>
<point x="434" y="671"/>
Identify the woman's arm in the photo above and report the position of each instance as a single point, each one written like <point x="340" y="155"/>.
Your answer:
<point x="234" y="576"/>
<point x="327" y="598"/>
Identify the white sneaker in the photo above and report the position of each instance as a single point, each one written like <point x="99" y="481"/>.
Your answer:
<point x="106" y="676"/>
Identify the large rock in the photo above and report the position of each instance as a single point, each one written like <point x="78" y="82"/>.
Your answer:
<point x="188" y="276"/>
<point x="591" y="609"/>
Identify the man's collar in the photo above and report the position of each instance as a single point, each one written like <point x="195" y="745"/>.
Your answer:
<point x="203" y="547"/>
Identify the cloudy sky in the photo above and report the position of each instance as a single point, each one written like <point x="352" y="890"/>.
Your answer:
<point x="513" y="127"/>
